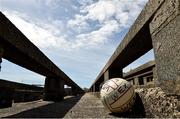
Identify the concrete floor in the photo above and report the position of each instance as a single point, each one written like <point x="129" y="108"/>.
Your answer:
<point x="83" y="106"/>
<point x="89" y="106"/>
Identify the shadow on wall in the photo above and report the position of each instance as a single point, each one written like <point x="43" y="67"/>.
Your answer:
<point x="54" y="110"/>
<point x="137" y="111"/>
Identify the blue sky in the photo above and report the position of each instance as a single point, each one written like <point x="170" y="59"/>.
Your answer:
<point x="79" y="36"/>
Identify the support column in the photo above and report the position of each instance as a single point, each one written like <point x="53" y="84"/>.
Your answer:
<point x="106" y="76"/>
<point x="75" y="91"/>
<point x="94" y="88"/>
<point x="136" y="81"/>
<point x="165" y="30"/>
<point x="112" y="73"/>
<point x="54" y="89"/>
<point x="132" y="82"/>
<point x="145" y="80"/>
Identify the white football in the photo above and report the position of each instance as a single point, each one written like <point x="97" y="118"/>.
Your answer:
<point x="117" y="95"/>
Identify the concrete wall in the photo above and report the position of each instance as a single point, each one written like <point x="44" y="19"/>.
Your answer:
<point x="18" y="92"/>
<point x="165" y="30"/>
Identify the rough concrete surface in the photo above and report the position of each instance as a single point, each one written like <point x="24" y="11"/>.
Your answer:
<point x="167" y="56"/>
<point x="89" y="106"/>
<point x="40" y="109"/>
<point x="158" y="104"/>
<point x="20" y="107"/>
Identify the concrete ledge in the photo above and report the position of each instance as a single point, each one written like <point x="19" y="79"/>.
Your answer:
<point x="149" y="64"/>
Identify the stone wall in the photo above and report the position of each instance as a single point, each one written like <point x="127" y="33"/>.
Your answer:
<point x="158" y="104"/>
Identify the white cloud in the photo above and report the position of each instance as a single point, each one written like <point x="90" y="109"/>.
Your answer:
<point x="41" y="34"/>
<point x="84" y="3"/>
<point x="78" y="23"/>
<point x="105" y="10"/>
<point x="112" y="16"/>
<point x="51" y="3"/>
<point x="100" y="11"/>
<point x="51" y="35"/>
<point x="99" y="36"/>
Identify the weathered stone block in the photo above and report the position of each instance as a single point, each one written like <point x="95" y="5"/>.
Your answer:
<point x="158" y="104"/>
<point x="167" y="12"/>
<point x="165" y="29"/>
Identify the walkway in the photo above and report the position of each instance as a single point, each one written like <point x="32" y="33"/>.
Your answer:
<point x="89" y="107"/>
<point x="83" y="106"/>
